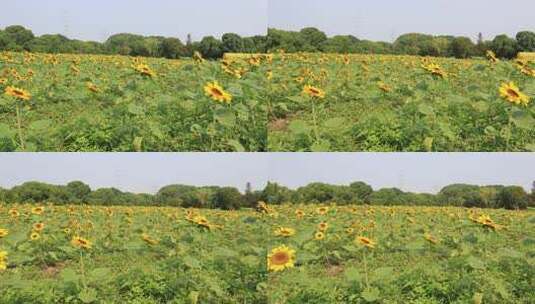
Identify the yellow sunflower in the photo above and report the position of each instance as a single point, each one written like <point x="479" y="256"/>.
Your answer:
<point x="281" y="258"/>
<point x="34" y="236"/>
<point x="313" y="91"/>
<point x="323" y="226"/>
<point x="92" y="87"/>
<point x="18" y="93"/>
<point x="492" y="57"/>
<point x="144" y="70"/>
<point x="217" y="93"/>
<point x="149" y="240"/>
<point x="319" y="235"/>
<point x="322" y="210"/>
<point x="38" y="210"/>
<point x="430" y="238"/>
<point x="38" y="227"/>
<point x="80" y="242"/>
<point x="3" y="232"/>
<point x="3" y="258"/>
<point x="511" y="93"/>
<point x="285" y="232"/>
<point x="366" y="242"/>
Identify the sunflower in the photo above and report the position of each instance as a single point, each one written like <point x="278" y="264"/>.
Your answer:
<point x="3" y="232"/>
<point x="511" y="93"/>
<point x="430" y="238"/>
<point x="365" y="242"/>
<point x="313" y="91"/>
<point x="492" y="57"/>
<point x="319" y="235"/>
<point x="217" y="93"/>
<point x="149" y="240"/>
<point x="201" y="221"/>
<point x="18" y="93"/>
<point x="38" y="227"/>
<point x="34" y="236"/>
<point x="322" y="210"/>
<point x="3" y="258"/>
<point x="384" y="87"/>
<point x="3" y="80"/>
<point x="67" y="230"/>
<point x="92" y="87"/>
<point x="80" y="242"/>
<point x="285" y="232"/>
<point x="323" y="226"/>
<point x="435" y="69"/>
<point x="197" y="57"/>
<point x="350" y="230"/>
<point x="281" y="258"/>
<point x="14" y="212"/>
<point x="299" y="213"/>
<point x="38" y="210"/>
<point x="144" y="70"/>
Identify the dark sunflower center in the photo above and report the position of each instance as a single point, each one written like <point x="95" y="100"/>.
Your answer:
<point x="280" y="258"/>
<point x="217" y="92"/>
<point x="512" y="92"/>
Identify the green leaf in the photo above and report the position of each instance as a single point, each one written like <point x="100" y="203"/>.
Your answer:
<point x="88" y="295"/>
<point x="138" y="144"/>
<point x="383" y="274"/>
<point x="40" y="125"/>
<point x="334" y="123"/>
<point x="238" y="147"/>
<point x="523" y="119"/>
<point x="192" y="262"/>
<point x="352" y="274"/>
<point x="321" y="146"/>
<point x="69" y="275"/>
<point x="426" y="109"/>
<point x="299" y="127"/>
<point x="5" y="131"/>
<point x="475" y="263"/>
<point x="100" y="274"/>
<point x="371" y="294"/>
<point x="428" y="144"/>
<point x="135" y="109"/>
<point x="226" y="117"/>
<point x="193" y="297"/>
<point x="530" y="147"/>
<point x="298" y="99"/>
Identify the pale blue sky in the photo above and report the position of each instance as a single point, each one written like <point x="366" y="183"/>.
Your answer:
<point x="98" y="19"/>
<point x="386" y="19"/>
<point x="147" y="172"/>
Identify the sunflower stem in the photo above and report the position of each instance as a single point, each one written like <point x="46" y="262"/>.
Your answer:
<point x="366" y="270"/>
<point x="314" y="119"/>
<point x="19" y="126"/>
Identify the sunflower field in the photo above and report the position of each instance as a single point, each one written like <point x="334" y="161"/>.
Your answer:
<point x="118" y="103"/>
<point x="274" y="254"/>
<point x="334" y="102"/>
<point x="364" y="254"/>
<point x="81" y="254"/>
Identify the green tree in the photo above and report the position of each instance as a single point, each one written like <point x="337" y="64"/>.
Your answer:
<point x="227" y="198"/>
<point x="313" y="37"/>
<point x="462" y="47"/>
<point x="78" y="191"/>
<point x="211" y="48"/>
<point x="504" y="46"/>
<point x="512" y="197"/>
<point x="232" y="43"/>
<point x="19" y="35"/>
<point x="171" y="48"/>
<point x="526" y="41"/>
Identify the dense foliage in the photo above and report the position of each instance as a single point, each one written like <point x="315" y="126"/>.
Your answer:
<point x="357" y="193"/>
<point x="18" y="38"/>
<point x="401" y="255"/>
<point x="120" y="103"/>
<point x="355" y="102"/>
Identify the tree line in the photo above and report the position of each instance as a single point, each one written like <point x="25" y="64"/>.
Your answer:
<point x="310" y="39"/>
<point x="230" y="198"/>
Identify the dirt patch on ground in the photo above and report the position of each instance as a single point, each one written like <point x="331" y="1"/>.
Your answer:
<point x="51" y="271"/>
<point x="334" y="270"/>
<point x="278" y="125"/>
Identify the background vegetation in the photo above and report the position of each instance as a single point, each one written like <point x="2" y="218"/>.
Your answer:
<point x="356" y="193"/>
<point x="18" y="38"/>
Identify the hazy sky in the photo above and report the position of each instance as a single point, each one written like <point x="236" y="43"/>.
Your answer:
<point x="98" y="19"/>
<point x="147" y="172"/>
<point x="386" y="19"/>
